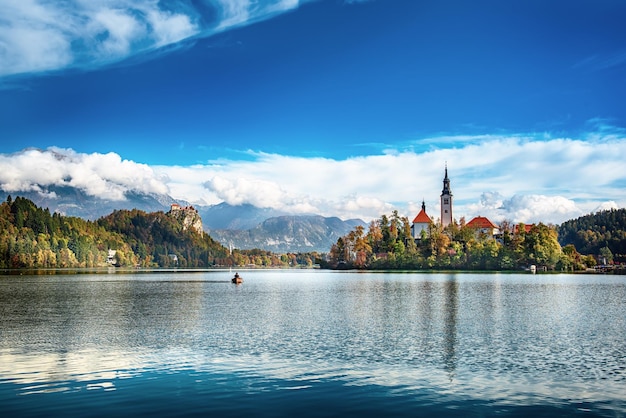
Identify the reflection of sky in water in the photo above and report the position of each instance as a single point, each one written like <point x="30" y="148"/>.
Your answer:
<point x="259" y="374"/>
<point x="502" y="339"/>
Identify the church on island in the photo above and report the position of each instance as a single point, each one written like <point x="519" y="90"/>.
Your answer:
<point x="421" y="223"/>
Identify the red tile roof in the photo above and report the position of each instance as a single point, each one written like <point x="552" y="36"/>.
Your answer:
<point x="527" y="228"/>
<point x="481" y="222"/>
<point x="422" y="218"/>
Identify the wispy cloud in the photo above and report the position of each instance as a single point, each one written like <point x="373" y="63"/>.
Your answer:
<point x="602" y="61"/>
<point x="41" y="36"/>
<point x="512" y="178"/>
<point x="238" y="12"/>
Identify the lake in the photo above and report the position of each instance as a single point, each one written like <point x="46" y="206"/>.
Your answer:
<point x="312" y="343"/>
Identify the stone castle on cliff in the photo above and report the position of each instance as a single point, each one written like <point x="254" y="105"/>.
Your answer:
<point x="188" y="216"/>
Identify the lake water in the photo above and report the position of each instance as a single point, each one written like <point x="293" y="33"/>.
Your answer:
<point x="312" y="343"/>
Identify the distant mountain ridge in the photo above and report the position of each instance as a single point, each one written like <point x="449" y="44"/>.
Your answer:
<point x="69" y="201"/>
<point x="241" y="217"/>
<point x="243" y="227"/>
<point x="305" y="233"/>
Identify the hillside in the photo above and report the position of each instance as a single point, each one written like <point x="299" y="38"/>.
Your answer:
<point x="70" y="201"/>
<point x="591" y="233"/>
<point x="240" y="225"/>
<point x="164" y="239"/>
<point x="289" y="234"/>
<point x="32" y="237"/>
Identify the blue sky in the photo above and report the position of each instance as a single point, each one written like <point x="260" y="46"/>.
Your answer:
<point x="348" y="108"/>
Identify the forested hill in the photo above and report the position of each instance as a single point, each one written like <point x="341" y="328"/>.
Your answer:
<point x="32" y="237"/>
<point x="591" y="233"/>
<point x="161" y="239"/>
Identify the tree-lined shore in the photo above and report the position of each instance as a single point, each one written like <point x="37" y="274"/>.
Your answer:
<point x="388" y="244"/>
<point x="32" y="237"/>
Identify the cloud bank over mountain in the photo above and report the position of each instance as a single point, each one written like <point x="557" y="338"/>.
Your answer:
<point x="106" y="176"/>
<point x="520" y="178"/>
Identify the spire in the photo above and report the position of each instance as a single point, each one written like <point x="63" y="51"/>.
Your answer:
<point x="423" y="205"/>
<point x="446" y="200"/>
<point x="446" y="183"/>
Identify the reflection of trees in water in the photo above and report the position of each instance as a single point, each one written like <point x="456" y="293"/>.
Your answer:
<point x="451" y="302"/>
<point x="70" y="315"/>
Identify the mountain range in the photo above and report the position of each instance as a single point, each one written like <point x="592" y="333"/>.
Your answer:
<point x="243" y="226"/>
<point x="70" y="201"/>
<point x="304" y="233"/>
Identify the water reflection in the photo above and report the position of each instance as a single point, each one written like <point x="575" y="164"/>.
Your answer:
<point x="451" y="289"/>
<point x="496" y="339"/>
<point x="64" y="315"/>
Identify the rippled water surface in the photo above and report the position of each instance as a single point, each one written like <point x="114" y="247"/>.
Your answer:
<point x="312" y="343"/>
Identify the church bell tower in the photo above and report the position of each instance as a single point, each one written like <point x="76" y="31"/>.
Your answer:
<point x="446" y="201"/>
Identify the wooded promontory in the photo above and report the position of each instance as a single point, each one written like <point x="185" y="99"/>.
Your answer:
<point x="32" y="237"/>
<point x="389" y="244"/>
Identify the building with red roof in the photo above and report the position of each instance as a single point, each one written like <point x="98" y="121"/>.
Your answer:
<point x="483" y="225"/>
<point x="527" y="228"/>
<point x="421" y="223"/>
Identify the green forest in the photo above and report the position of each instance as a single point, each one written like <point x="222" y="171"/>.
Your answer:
<point x="388" y="244"/>
<point x="32" y="237"/>
<point x="602" y="233"/>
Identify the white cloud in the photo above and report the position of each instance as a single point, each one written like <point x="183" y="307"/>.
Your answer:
<point x="169" y="28"/>
<point x="525" y="208"/>
<point x="358" y="187"/>
<point x="103" y="175"/>
<point x="371" y="206"/>
<point x="606" y="206"/>
<point x="513" y="178"/>
<point x="32" y="37"/>
<point x="237" y="12"/>
<point x="121" y="30"/>
<point x="41" y="35"/>
<point x="260" y="193"/>
<point x="38" y="35"/>
<point x="234" y="12"/>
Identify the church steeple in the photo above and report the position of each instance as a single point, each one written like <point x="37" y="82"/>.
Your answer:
<point x="446" y="201"/>
<point x="446" y="183"/>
